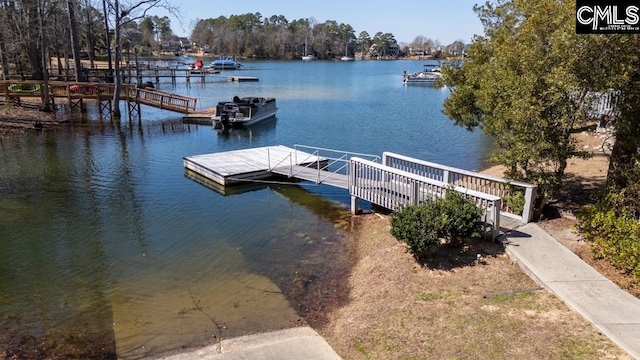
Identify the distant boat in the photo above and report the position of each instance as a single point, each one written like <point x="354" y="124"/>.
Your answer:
<point x="346" y="56"/>
<point x="244" y="112"/>
<point x="428" y="76"/>
<point x="198" y="68"/>
<point x="226" y="64"/>
<point x="307" y="57"/>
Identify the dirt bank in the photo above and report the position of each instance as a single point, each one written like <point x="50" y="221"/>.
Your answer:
<point x="18" y="119"/>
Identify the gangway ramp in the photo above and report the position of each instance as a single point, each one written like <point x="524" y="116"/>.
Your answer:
<point x="318" y="176"/>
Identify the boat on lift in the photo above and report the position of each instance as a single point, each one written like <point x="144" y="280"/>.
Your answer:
<point x="244" y="111"/>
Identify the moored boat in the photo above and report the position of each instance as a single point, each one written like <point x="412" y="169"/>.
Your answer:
<point x="346" y="56"/>
<point x="198" y="68"/>
<point x="307" y="56"/>
<point x="428" y="76"/>
<point x="244" y="111"/>
<point x="226" y="64"/>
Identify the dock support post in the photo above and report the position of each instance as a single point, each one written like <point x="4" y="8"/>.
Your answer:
<point x="134" y="110"/>
<point x="354" y="205"/>
<point x="104" y="106"/>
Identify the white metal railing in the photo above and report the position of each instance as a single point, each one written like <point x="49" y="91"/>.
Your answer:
<point x="271" y="167"/>
<point x="394" y="188"/>
<point x="326" y="162"/>
<point x="469" y="180"/>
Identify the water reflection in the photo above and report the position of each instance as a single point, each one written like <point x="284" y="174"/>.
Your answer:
<point x="248" y="134"/>
<point x="108" y="249"/>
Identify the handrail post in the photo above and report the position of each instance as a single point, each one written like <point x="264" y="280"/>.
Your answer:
<point x="318" y="166"/>
<point x="268" y="160"/>
<point x="529" y="196"/>
<point x="497" y="205"/>
<point x="352" y="188"/>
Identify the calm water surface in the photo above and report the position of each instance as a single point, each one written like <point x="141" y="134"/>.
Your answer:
<point x="106" y="247"/>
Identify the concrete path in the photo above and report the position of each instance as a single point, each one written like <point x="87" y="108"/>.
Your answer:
<point x="612" y="310"/>
<point x="289" y="344"/>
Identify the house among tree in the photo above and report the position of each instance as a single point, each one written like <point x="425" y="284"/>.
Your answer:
<point x="185" y="43"/>
<point x="391" y="49"/>
<point x="176" y="43"/>
<point x="456" y="48"/>
<point x="132" y="37"/>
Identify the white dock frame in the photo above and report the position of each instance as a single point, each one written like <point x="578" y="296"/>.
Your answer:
<point x="395" y="182"/>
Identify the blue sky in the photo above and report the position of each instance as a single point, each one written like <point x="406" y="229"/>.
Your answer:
<point x="443" y="20"/>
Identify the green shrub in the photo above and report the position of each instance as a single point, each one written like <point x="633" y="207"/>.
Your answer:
<point x="514" y="200"/>
<point x="614" y="234"/>
<point x="452" y="218"/>
<point x="462" y="217"/>
<point x="416" y="227"/>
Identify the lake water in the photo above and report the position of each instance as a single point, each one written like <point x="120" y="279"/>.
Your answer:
<point x="106" y="247"/>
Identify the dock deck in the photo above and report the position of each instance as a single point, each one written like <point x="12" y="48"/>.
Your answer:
<point x="247" y="164"/>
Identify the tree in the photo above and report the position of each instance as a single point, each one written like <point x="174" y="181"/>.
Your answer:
<point x="623" y="174"/>
<point x="526" y="84"/>
<point x="121" y="16"/>
<point x="423" y="43"/>
<point x="91" y="26"/>
<point x="347" y="36"/>
<point x="148" y="31"/>
<point x="364" y="39"/>
<point x="163" y="28"/>
<point x="42" y="7"/>
<point x="75" y="43"/>
<point x="203" y="32"/>
<point x="382" y="42"/>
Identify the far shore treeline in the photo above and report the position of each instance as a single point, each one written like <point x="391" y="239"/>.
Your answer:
<point x="276" y="37"/>
<point x="46" y="34"/>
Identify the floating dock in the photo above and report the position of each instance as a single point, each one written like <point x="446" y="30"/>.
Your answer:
<point x="242" y="78"/>
<point x="236" y="166"/>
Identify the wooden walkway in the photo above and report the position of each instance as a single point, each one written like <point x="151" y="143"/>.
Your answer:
<point x="161" y="99"/>
<point x="75" y="94"/>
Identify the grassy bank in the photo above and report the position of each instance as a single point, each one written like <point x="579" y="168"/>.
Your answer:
<point x="456" y="307"/>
